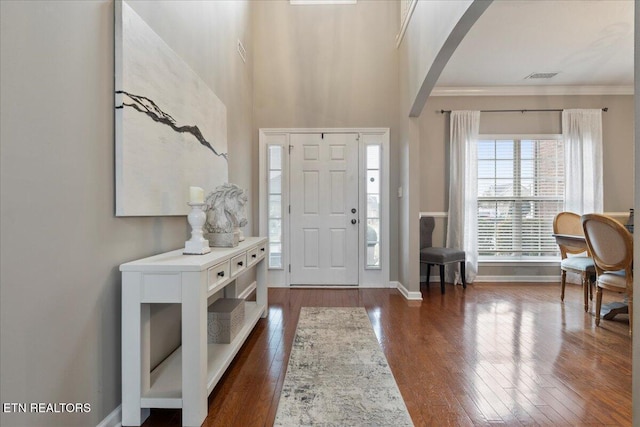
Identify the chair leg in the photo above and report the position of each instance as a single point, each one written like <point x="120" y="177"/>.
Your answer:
<point x="585" y="288"/>
<point x="462" y="275"/>
<point x="442" y="278"/>
<point x="563" y="280"/>
<point x="598" y="304"/>
<point x="428" y="274"/>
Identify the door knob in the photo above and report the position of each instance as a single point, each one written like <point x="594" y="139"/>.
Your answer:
<point x="353" y="221"/>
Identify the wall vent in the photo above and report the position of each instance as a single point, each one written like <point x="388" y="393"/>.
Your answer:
<point x="541" y="76"/>
<point x="242" y="51"/>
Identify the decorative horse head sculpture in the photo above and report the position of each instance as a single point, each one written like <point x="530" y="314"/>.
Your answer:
<point x="225" y="209"/>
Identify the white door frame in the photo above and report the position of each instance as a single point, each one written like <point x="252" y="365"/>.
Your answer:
<point x="368" y="277"/>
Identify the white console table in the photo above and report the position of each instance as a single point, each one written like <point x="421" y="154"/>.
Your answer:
<point x="185" y="379"/>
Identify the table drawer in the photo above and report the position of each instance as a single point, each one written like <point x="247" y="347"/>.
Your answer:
<point x="252" y="256"/>
<point x="262" y="249"/>
<point x="238" y="264"/>
<point x="219" y="273"/>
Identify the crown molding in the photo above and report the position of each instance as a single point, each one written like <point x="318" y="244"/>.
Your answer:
<point x="531" y="90"/>
<point x="405" y="22"/>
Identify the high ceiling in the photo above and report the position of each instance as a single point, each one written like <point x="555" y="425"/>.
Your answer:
<point x="588" y="43"/>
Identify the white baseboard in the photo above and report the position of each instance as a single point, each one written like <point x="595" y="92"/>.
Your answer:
<point x="377" y="285"/>
<point x="114" y="419"/>
<point x="411" y="296"/>
<point x="323" y="287"/>
<point x="518" y="279"/>
<point x="277" y="285"/>
<point x="503" y="279"/>
<point x="360" y="286"/>
<point x="252" y="287"/>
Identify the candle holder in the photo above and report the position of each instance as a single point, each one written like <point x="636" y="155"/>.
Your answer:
<point x="197" y="245"/>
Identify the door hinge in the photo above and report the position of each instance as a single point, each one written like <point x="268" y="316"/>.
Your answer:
<point x="290" y="148"/>
<point x="289" y="268"/>
<point x="289" y="208"/>
<point x="322" y="135"/>
<point x="358" y="137"/>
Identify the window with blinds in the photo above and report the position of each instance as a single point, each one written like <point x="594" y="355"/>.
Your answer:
<point x="520" y="190"/>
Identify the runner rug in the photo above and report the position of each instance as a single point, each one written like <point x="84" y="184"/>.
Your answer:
<point x="338" y="375"/>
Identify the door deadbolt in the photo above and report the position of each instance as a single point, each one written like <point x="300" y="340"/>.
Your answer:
<point x="353" y="210"/>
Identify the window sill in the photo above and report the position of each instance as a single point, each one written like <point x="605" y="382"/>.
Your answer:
<point x="544" y="262"/>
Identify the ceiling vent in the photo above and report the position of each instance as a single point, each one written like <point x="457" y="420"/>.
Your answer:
<point x="541" y="76"/>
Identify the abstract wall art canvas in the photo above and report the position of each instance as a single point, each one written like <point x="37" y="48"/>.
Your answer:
<point x="171" y="129"/>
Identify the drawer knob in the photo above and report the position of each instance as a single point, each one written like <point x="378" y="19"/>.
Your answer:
<point x="221" y="273"/>
<point x="262" y="249"/>
<point x="240" y="263"/>
<point x="254" y="255"/>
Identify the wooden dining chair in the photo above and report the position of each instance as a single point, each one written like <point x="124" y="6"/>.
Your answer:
<point x="569" y="223"/>
<point x="611" y="247"/>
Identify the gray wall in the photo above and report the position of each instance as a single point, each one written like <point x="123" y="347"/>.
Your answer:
<point x="61" y="244"/>
<point x="423" y="53"/>
<point x="328" y="66"/>
<point x="427" y="35"/>
<point x="618" y="142"/>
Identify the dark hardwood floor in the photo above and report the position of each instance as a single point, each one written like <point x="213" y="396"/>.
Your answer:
<point x="493" y="354"/>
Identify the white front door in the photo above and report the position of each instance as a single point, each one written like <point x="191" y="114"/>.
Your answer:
<point x="324" y="209"/>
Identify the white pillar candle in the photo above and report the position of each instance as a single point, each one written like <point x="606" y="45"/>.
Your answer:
<point x="196" y="195"/>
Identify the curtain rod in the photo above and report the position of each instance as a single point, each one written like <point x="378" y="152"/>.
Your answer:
<point x="605" y="109"/>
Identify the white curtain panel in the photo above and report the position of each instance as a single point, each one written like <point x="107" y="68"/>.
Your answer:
<point x="462" y="229"/>
<point x="582" y="134"/>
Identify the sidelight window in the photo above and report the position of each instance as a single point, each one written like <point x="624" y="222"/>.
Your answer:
<point x="372" y="185"/>
<point x="275" y="206"/>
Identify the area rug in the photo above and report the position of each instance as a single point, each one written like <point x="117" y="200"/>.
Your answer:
<point x="338" y="375"/>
